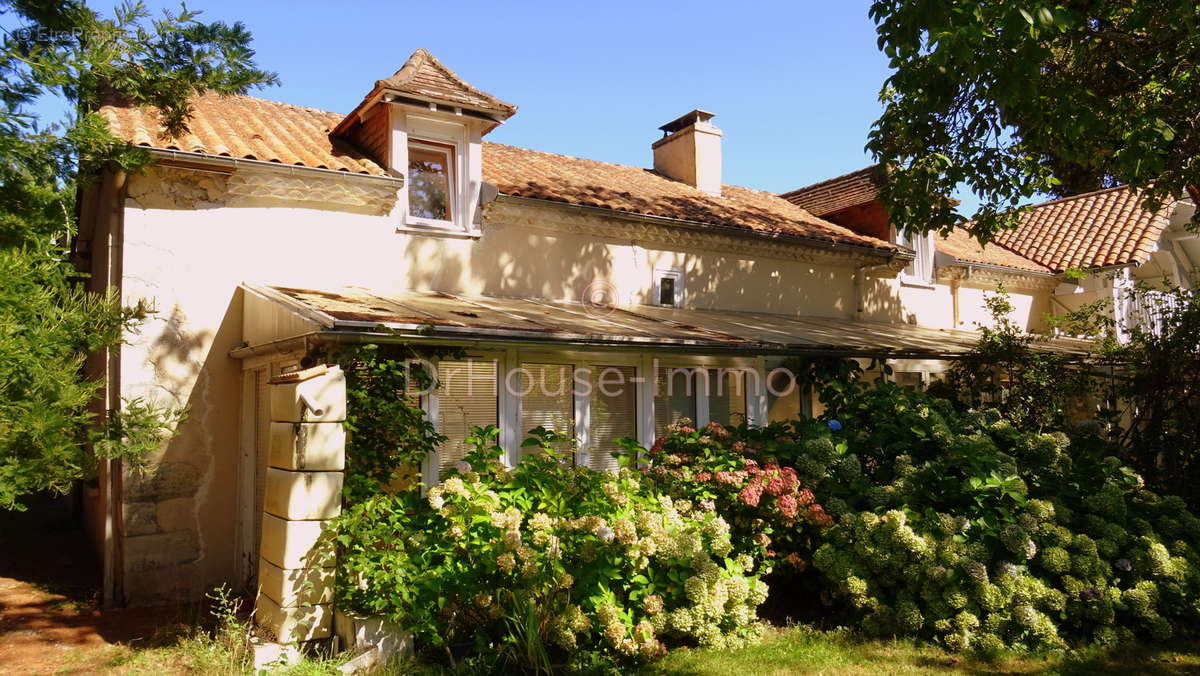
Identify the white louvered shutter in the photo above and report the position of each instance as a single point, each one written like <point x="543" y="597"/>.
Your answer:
<point x="613" y="413"/>
<point x="467" y="397"/>
<point x="674" y="396"/>
<point x="547" y="399"/>
<point x="727" y="396"/>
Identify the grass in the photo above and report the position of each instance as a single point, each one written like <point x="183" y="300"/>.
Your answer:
<point x="800" y="650"/>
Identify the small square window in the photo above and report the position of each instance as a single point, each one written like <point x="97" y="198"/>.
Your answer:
<point x="431" y="181"/>
<point x="668" y="288"/>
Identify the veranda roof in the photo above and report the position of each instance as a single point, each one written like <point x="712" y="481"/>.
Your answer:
<point x="416" y="316"/>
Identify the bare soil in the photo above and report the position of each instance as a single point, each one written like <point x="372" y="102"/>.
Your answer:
<point x="50" y="622"/>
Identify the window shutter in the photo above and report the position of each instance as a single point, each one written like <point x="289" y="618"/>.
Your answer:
<point x="674" y="396"/>
<point x="547" y="399"/>
<point x="614" y="414"/>
<point x="467" y="397"/>
<point x="727" y="396"/>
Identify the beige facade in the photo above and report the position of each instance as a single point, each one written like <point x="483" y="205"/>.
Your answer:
<point x="191" y="238"/>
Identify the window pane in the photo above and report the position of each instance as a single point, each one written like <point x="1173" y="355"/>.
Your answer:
<point x="614" y="413"/>
<point x="467" y="397"/>
<point x="674" y="396"/>
<point x="666" y="291"/>
<point x="430" y="174"/>
<point x="547" y="400"/>
<point x="727" y="396"/>
<point x="908" y="379"/>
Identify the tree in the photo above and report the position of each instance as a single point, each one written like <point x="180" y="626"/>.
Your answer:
<point x="66" y="51"/>
<point x="1013" y="99"/>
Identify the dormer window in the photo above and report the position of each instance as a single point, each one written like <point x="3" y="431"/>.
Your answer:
<point x="431" y="181"/>
<point x="427" y="124"/>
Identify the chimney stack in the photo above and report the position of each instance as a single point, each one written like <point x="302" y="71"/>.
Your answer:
<point x="690" y="151"/>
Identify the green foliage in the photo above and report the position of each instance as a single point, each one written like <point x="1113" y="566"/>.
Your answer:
<point x="1158" y="381"/>
<point x="47" y="325"/>
<point x="1013" y="100"/>
<point x="47" y="322"/>
<point x="388" y="432"/>
<point x="738" y="474"/>
<point x="979" y="533"/>
<point x="1033" y="388"/>
<point x="546" y="564"/>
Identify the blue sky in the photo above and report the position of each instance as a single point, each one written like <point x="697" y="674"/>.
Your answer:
<point x="793" y="84"/>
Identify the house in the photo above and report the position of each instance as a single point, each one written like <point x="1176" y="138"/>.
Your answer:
<point x="1064" y="253"/>
<point x="269" y="234"/>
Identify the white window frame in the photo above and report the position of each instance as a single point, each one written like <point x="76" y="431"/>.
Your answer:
<point x="583" y="405"/>
<point x="452" y="151"/>
<point x="672" y="273"/>
<point x="920" y="271"/>
<point x="464" y="135"/>
<point x="430" y="403"/>
<point x="755" y="385"/>
<point x="646" y="367"/>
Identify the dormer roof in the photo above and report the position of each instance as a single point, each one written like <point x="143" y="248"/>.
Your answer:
<point x="424" y="79"/>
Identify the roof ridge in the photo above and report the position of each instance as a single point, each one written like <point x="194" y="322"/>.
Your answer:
<point x="828" y="180"/>
<point x="422" y="58"/>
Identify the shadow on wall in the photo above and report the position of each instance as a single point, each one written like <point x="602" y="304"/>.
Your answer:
<point x="180" y="514"/>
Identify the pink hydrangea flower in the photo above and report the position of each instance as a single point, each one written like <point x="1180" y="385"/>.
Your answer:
<point x="750" y="495"/>
<point x="788" y="506"/>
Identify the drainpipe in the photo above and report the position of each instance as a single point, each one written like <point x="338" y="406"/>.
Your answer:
<point x="112" y="209"/>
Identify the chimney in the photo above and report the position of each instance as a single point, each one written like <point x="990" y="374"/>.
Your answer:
<point x="690" y="151"/>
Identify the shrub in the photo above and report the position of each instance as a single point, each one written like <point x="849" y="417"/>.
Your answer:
<point x="772" y="514"/>
<point x="960" y="527"/>
<point x="546" y="562"/>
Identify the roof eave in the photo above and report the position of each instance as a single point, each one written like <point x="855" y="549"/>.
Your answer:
<point x="897" y="254"/>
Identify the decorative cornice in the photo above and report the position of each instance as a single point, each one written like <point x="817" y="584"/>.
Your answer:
<point x="195" y="186"/>
<point x="303" y="190"/>
<point x="558" y="218"/>
<point x="1011" y="278"/>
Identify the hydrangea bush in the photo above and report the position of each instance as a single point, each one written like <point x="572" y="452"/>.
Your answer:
<point x="962" y="527"/>
<point x="737" y="473"/>
<point x="545" y="561"/>
<point x="954" y="526"/>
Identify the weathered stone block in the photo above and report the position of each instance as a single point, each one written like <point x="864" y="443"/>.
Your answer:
<point x="140" y="518"/>
<point x="327" y="393"/>
<point x="303" y="495"/>
<point x="293" y="544"/>
<point x="290" y="587"/>
<point x="293" y="625"/>
<point x="161" y="550"/>
<point x="162" y="482"/>
<point x="177" y="514"/>
<point x="359" y="633"/>
<point x="308" y="446"/>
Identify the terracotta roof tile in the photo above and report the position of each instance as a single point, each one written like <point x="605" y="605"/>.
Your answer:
<point x="966" y="248"/>
<point x="842" y="192"/>
<point x="1092" y="230"/>
<point x="424" y="76"/>
<point x="253" y="128"/>
<point x="531" y="173"/>
<point x="245" y="127"/>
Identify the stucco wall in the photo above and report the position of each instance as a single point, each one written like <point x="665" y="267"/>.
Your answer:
<point x="189" y="240"/>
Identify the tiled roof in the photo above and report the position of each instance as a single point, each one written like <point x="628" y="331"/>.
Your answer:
<point x="245" y="127"/>
<point x="424" y="76"/>
<point x="967" y="249"/>
<point x="836" y="194"/>
<point x="1092" y="230"/>
<point x="530" y="173"/>
<point x="252" y="128"/>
